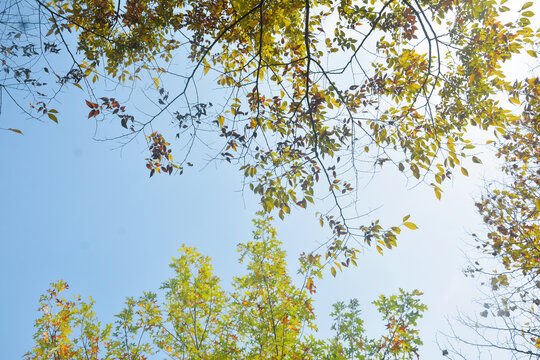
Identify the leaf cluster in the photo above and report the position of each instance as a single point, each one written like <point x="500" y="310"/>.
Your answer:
<point x="265" y="316"/>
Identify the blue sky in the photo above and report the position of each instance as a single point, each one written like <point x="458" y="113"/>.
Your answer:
<point x="76" y="209"/>
<point x="84" y="211"/>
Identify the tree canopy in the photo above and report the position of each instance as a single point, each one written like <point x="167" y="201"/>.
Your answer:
<point x="509" y="319"/>
<point x="265" y="316"/>
<point x="305" y="110"/>
<point x="310" y="100"/>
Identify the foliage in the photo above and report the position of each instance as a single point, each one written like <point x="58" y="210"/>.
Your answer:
<point x="400" y="312"/>
<point x="510" y="319"/>
<point x="407" y="80"/>
<point x="265" y="316"/>
<point x="312" y="95"/>
<point x="513" y="212"/>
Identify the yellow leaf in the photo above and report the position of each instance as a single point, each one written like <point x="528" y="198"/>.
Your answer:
<point x="410" y="225"/>
<point x="464" y="171"/>
<point x="532" y="53"/>
<point x="221" y="120"/>
<point x="156" y="82"/>
<point x="437" y="193"/>
<point x="206" y="66"/>
<point x="515" y="100"/>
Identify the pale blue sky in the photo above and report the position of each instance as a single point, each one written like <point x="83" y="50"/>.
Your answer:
<point x="76" y="209"/>
<point x="72" y="208"/>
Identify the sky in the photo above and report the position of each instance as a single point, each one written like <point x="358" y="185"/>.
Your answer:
<point x="82" y="210"/>
<point x="76" y="209"/>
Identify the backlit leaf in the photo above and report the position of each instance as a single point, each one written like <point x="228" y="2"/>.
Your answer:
<point x="410" y="225"/>
<point x="16" y="130"/>
<point x="52" y="117"/>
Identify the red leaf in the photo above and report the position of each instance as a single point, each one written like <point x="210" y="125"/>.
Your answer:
<point x="16" y="130"/>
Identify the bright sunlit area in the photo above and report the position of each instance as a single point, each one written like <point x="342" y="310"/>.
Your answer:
<point x="261" y="179"/>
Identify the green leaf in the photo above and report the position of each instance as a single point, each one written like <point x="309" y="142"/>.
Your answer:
<point x="476" y="160"/>
<point x="527" y="5"/>
<point x="52" y="117"/>
<point x="525" y="21"/>
<point x="285" y="207"/>
<point x="528" y="13"/>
